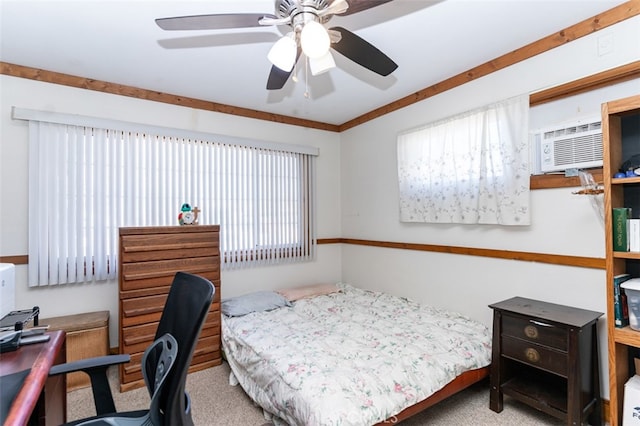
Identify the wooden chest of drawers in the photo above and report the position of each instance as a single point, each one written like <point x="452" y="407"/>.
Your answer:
<point x="149" y="259"/>
<point x="546" y="355"/>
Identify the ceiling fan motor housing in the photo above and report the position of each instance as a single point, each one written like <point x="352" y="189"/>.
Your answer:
<point x="302" y="11"/>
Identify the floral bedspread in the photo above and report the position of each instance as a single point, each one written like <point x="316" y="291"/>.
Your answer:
<point x="350" y="358"/>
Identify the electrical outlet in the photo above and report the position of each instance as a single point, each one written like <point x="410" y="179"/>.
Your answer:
<point x="605" y="44"/>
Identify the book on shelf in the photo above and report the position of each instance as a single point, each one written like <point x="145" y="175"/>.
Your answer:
<point x="620" y="308"/>
<point x="634" y="235"/>
<point x="620" y="218"/>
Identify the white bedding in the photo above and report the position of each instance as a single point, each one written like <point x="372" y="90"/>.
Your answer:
<point x="350" y="358"/>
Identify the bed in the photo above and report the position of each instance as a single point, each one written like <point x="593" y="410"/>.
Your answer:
<point x="349" y="356"/>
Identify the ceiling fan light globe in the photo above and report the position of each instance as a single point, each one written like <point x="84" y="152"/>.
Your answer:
<point x="322" y="64"/>
<point x="314" y="39"/>
<point x="283" y="53"/>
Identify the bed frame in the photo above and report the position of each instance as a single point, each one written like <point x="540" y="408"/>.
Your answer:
<point x="460" y="383"/>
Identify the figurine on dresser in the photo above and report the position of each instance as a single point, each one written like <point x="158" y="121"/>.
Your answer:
<point x="188" y="215"/>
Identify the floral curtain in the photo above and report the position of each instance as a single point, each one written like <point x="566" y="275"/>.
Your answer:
<point x="472" y="168"/>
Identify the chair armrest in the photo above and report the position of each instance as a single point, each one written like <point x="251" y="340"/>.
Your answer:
<point x="99" y="363"/>
<point x="96" y="368"/>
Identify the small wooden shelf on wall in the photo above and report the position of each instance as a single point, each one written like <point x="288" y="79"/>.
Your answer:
<point x="550" y="181"/>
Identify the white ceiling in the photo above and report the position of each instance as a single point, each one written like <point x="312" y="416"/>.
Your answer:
<point x="118" y="41"/>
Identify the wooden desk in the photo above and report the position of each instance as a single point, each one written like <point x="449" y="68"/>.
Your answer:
<point x="42" y="400"/>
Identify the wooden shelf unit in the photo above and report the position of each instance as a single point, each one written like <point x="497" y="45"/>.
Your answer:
<point x="619" y="192"/>
<point x="149" y="259"/>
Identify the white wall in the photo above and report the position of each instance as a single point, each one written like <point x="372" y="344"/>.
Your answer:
<point x="76" y="298"/>
<point x="562" y="223"/>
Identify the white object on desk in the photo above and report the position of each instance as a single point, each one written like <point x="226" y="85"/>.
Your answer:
<point x="7" y="288"/>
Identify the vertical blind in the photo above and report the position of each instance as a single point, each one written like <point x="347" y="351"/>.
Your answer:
<point x="86" y="182"/>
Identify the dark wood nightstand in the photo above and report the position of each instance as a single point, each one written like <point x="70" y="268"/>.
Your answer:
<point x="546" y="355"/>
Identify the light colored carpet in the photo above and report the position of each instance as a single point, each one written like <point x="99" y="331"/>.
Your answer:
<point x="216" y="403"/>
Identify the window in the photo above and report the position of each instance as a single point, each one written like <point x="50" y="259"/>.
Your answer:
<point x="472" y="168"/>
<point x="87" y="181"/>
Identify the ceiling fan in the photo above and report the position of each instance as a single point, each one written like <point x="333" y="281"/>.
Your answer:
<point x="307" y="35"/>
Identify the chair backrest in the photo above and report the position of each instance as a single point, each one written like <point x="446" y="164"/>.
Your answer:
<point x="183" y="316"/>
<point x="157" y="364"/>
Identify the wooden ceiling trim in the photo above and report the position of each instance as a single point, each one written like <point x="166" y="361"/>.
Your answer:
<point x="592" y="82"/>
<point x="613" y="16"/>
<point x="581" y="29"/>
<point x="150" y="95"/>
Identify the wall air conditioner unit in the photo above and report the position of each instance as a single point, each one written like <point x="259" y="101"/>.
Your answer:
<point x="575" y="145"/>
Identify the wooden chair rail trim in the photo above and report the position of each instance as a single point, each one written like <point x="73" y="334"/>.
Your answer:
<point x="554" y="259"/>
<point x="16" y="260"/>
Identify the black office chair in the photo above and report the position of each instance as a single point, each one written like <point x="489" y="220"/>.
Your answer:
<point x="184" y="314"/>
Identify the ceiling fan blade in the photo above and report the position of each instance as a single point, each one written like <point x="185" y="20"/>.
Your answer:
<point x="362" y="52"/>
<point x="356" y="6"/>
<point x="213" y="22"/>
<point x="277" y="77"/>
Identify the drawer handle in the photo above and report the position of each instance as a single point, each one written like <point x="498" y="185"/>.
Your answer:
<point x="540" y="323"/>
<point x="532" y="355"/>
<point x="531" y="332"/>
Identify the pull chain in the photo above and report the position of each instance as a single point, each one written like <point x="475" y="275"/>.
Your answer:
<point x="306" y="78"/>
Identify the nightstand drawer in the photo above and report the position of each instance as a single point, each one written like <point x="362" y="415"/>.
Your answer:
<point x="535" y="355"/>
<point x="536" y="331"/>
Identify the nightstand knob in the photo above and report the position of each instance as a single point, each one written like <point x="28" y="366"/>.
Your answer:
<point x="531" y="332"/>
<point x="532" y="355"/>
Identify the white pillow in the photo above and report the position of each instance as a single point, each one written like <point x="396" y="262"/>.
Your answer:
<point x="253" y="302"/>
<point x="303" y="292"/>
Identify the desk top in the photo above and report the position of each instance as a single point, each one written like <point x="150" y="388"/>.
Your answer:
<point x="548" y="311"/>
<point x="39" y="357"/>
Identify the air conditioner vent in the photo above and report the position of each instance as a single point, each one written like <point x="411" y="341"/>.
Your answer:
<point x="572" y="130"/>
<point x="574" y="146"/>
<point x="578" y="150"/>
